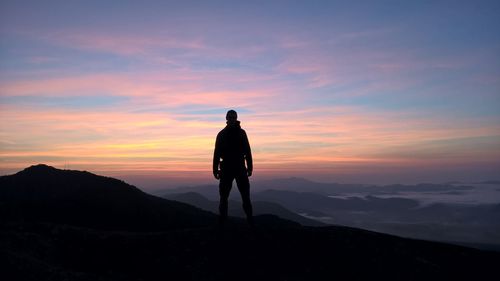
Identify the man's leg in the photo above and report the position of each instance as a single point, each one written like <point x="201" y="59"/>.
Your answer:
<point x="225" y="184"/>
<point x="244" y="188"/>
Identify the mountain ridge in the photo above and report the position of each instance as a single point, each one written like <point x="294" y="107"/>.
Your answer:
<point x="81" y="198"/>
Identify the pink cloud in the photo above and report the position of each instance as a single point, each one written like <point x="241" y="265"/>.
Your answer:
<point x="318" y="138"/>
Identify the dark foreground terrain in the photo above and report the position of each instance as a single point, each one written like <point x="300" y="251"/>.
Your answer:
<point x="42" y="242"/>
<point x="57" y="252"/>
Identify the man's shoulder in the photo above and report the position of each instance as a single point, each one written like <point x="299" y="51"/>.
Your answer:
<point x="231" y="131"/>
<point x="221" y="132"/>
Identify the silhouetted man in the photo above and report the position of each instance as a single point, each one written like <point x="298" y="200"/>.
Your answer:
<point x="233" y="148"/>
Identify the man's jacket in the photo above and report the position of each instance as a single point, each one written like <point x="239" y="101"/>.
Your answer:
<point x="233" y="147"/>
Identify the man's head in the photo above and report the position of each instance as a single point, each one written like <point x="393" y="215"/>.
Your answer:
<point x="231" y="116"/>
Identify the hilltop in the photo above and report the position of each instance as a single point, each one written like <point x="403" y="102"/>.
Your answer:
<point x="73" y="225"/>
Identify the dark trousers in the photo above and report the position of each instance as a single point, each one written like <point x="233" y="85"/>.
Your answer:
<point x="225" y="185"/>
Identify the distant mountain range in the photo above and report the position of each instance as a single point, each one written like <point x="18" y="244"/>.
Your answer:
<point x="378" y="208"/>
<point x="490" y="182"/>
<point x="235" y="208"/>
<point x="295" y="184"/>
<point x="73" y="225"/>
<point x="467" y="223"/>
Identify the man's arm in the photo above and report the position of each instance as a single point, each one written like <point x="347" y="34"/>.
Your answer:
<point x="216" y="160"/>
<point x="248" y="154"/>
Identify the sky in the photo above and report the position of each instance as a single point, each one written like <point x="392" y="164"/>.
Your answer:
<point x="336" y="91"/>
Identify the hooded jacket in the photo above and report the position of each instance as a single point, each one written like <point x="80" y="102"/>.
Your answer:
<point x="233" y="147"/>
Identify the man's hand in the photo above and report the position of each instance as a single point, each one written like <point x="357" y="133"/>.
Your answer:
<point x="217" y="174"/>
<point x="249" y="172"/>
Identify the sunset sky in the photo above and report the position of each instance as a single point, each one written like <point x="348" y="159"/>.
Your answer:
<point x="372" y="92"/>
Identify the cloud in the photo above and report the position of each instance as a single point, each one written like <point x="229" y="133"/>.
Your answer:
<point x="318" y="95"/>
